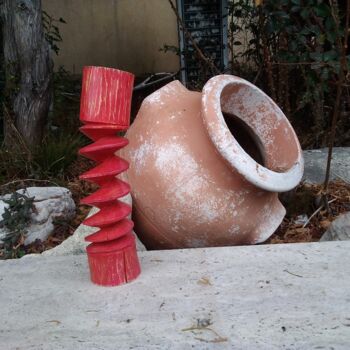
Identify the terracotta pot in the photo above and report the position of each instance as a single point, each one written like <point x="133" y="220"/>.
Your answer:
<point x="206" y="168"/>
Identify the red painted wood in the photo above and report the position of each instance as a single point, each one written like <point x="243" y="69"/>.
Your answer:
<point x="106" y="96"/>
<point x="109" y="214"/>
<point x="108" y="169"/>
<point x="111" y="246"/>
<point x="111" y="232"/>
<point x="103" y="147"/>
<point x="113" y="262"/>
<point x="105" y="110"/>
<point x="112" y="189"/>
<point x="95" y="131"/>
<point x="107" y="269"/>
<point x="132" y="267"/>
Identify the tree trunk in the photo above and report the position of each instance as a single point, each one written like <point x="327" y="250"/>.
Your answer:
<point x="28" y="68"/>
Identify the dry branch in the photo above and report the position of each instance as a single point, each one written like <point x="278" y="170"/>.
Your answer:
<point x="188" y="35"/>
<point x="342" y="48"/>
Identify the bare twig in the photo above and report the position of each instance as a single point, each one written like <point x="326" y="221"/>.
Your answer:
<point x="257" y="76"/>
<point x="342" y="48"/>
<point x="147" y="82"/>
<point x="293" y="274"/>
<point x="19" y="137"/>
<point x="299" y="63"/>
<point x="267" y="58"/>
<point x="317" y="211"/>
<point x="218" y="339"/>
<point x="232" y="44"/>
<point x="188" y="35"/>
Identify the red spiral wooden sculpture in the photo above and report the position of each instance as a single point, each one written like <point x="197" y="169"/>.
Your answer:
<point x="105" y="110"/>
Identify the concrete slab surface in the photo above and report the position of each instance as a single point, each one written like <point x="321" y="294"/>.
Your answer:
<point x="292" y="296"/>
<point x="316" y="162"/>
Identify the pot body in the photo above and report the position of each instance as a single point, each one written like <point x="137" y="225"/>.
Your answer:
<point x="185" y="193"/>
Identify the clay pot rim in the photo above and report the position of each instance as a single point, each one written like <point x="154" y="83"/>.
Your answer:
<point x="231" y="150"/>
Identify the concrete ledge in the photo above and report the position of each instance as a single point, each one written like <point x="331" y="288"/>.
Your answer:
<point x="292" y="296"/>
<point x="316" y="162"/>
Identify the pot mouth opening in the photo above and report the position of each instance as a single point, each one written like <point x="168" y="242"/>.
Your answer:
<point x="246" y="137"/>
<point x="251" y="132"/>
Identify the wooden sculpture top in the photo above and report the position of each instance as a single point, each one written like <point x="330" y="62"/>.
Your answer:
<point x="106" y="96"/>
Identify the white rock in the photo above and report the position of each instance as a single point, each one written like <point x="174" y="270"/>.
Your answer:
<point x="301" y="219"/>
<point x="50" y="203"/>
<point x="39" y="231"/>
<point x="3" y="232"/>
<point x="339" y="230"/>
<point x="3" y="205"/>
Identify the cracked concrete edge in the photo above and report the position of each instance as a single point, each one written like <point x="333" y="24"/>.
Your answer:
<point x="266" y="297"/>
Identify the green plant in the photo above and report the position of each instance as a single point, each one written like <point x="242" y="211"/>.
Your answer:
<point x="66" y="102"/>
<point x="292" y="49"/>
<point x="295" y="47"/>
<point x="50" y="161"/>
<point x="52" y="31"/>
<point x="58" y="150"/>
<point x="15" y="219"/>
<point x="56" y="154"/>
<point x="2" y="85"/>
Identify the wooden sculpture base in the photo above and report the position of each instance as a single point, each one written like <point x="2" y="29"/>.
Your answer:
<point x="114" y="262"/>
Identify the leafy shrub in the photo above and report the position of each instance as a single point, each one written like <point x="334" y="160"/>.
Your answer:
<point x="56" y="154"/>
<point x="15" y="219"/>
<point x="52" y="31"/>
<point x="297" y="51"/>
<point x="295" y="48"/>
<point x="49" y="161"/>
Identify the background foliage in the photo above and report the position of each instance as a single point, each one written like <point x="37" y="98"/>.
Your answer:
<point x="293" y="50"/>
<point x="58" y="151"/>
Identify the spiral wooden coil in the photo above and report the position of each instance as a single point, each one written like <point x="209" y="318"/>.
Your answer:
<point x="105" y="110"/>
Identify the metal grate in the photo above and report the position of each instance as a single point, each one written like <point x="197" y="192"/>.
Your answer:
<point x="206" y="20"/>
